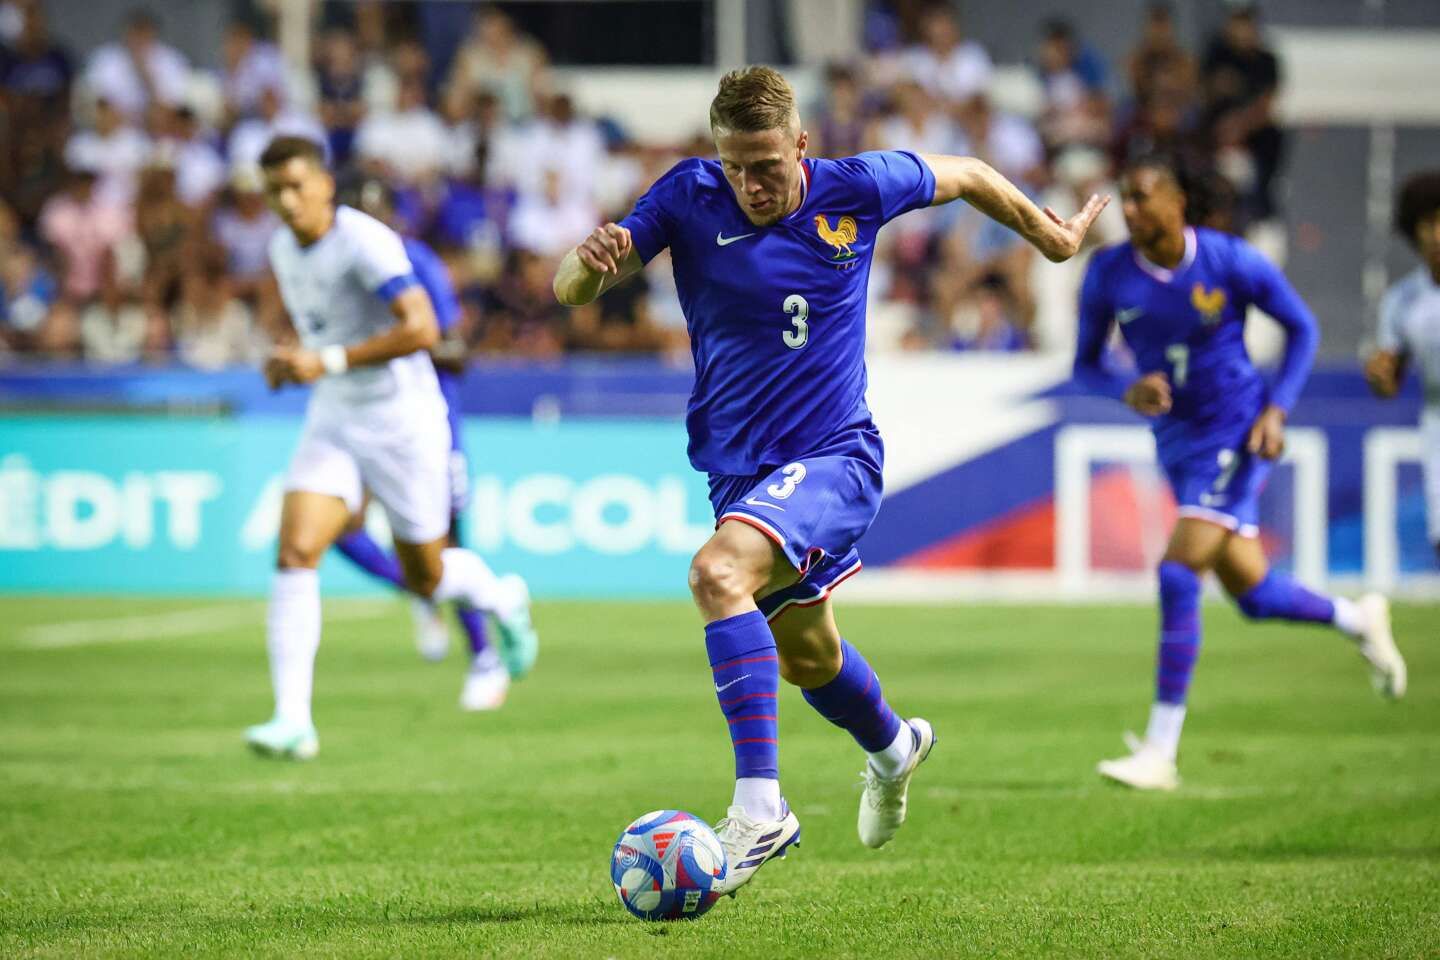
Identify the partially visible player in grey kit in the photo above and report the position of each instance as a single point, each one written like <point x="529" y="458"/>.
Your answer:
<point x="1410" y="328"/>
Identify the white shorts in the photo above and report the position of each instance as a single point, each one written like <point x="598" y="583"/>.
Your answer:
<point x="403" y="461"/>
<point x="1430" y="464"/>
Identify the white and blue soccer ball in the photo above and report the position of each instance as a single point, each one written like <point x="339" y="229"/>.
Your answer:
<point x="668" y="865"/>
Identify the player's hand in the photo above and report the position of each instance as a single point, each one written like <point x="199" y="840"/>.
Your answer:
<point x="1072" y="231"/>
<point x="605" y="249"/>
<point x="1382" y="372"/>
<point x="292" y="365"/>
<point x="306" y="366"/>
<point x="1267" y="435"/>
<point x="1150" y="395"/>
<point x="276" y="369"/>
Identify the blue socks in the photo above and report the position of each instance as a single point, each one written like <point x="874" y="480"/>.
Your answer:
<point x="366" y="554"/>
<point x="472" y="621"/>
<point x="1179" y="631"/>
<point x="853" y="702"/>
<point x="362" y="550"/>
<point x="1280" y="597"/>
<point x="747" y="681"/>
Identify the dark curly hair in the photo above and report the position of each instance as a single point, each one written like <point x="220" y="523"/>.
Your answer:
<point x="1172" y="167"/>
<point x="1419" y="199"/>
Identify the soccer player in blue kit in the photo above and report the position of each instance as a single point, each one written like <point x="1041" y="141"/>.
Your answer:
<point x="1179" y="295"/>
<point x="488" y="675"/>
<point x="771" y="253"/>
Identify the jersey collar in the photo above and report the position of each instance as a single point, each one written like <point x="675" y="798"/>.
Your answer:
<point x="1161" y="273"/>
<point x="804" y="190"/>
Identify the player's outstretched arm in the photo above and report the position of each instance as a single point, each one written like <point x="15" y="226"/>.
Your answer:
<point x="978" y="184"/>
<point x="605" y="258"/>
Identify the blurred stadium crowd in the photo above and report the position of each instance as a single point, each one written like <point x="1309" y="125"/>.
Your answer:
<point x="133" y="227"/>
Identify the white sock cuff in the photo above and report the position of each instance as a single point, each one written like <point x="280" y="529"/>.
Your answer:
<point x="455" y="572"/>
<point x="1349" y="617"/>
<point x="295" y="579"/>
<point x="759" y="796"/>
<point x="891" y="761"/>
<point x="1163" y="731"/>
<point x="466" y="577"/>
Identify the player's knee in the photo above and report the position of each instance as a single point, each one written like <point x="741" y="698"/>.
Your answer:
<point x="1178" y="581"/>
<point x="1258" y="602"/>
<point x="716" y="577"/>
<point x="422" y="581"/>
<point x="1191" y="561"/>
<point x="299" y="553"/>
<point x="809" y="668"/>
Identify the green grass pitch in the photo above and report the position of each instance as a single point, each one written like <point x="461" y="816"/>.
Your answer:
<point x="132" y="821"/>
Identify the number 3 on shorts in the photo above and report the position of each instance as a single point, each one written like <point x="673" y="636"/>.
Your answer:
<point x="792" y="475"/>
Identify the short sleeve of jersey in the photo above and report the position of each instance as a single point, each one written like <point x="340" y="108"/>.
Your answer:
<point x="904" y="181"/>
<point x="380" y="260"/>
<point x="652" y="222"/>
<point x="1390" y="335"/>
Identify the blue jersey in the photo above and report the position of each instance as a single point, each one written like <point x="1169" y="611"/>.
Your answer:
<point x="1189" y="323"/>
<point x="776" y="314"/>
<point x="430" y="271"/>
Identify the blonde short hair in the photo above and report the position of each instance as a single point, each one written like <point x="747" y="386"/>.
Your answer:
<point x="752" y="100"/>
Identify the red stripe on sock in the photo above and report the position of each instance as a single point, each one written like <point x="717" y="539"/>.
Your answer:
<point x="755" y="717"/>
<point x="748" y="696"/>
<point x="735" y="663"/>
<point x="753" y="740"/>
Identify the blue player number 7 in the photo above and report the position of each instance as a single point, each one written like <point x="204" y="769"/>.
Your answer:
<point x="798" y="311"/>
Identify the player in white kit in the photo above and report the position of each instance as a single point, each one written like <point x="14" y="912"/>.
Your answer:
<point x="1410" y="328"/>
<point x="376" y="420"/>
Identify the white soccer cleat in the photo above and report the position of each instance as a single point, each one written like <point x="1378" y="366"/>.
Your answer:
<point x="1377" y="646"/>
<point x="883" y="804"/>
<point x="750" y="844"/>
<point x="432" y="636"/>
<point x="283" y="740"/>
<point x="1146" y="768"/>
<point x="486" y="686"/>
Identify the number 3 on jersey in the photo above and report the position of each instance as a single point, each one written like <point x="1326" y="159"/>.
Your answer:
<point x="799" y="312"/>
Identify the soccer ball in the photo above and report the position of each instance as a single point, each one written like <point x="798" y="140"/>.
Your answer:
<point x="668" y="865"/>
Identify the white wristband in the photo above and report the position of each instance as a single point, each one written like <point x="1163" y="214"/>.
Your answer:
<point x="333" y="359"/>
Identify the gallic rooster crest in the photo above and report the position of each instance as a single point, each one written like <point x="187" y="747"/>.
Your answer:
<point x="840" y="237"/>
<point x="1208" y="302"/>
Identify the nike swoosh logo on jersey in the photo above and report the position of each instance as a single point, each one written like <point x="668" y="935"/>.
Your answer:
<point x="1125" y="316"/>
<point x="761" y="503"/>
<point x="723" y="241"/>
<point x="720" y="689"/>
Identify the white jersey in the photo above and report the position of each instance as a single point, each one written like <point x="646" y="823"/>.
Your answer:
<point x="1410" y="325"/>
<point x="337" y="291"/>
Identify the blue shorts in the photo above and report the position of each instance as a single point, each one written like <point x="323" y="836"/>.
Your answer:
<point x="1221" y="482"/>
<point x="814" y="509"/>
